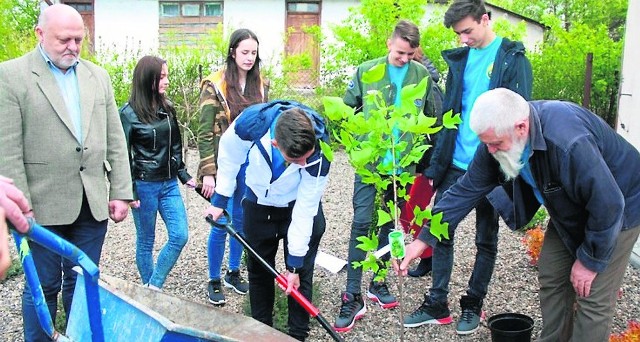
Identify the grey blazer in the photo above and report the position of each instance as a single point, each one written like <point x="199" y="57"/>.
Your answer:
<point x="38" y="148"/>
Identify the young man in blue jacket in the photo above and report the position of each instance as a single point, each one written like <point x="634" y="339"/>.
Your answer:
<point x="286" y="177"/>
<point x="487" y="61"/>
<point x="564" y="157"/>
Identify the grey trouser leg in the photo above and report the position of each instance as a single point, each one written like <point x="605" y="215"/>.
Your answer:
<point x="592" y="317"/>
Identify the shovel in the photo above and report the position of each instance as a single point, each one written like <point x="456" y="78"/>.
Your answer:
<point x="280" y="279"/>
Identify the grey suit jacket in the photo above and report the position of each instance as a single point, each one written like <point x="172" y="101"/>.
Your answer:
<point x="38" y="148"/>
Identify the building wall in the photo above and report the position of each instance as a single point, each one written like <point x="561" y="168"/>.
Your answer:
<point x="334" y="12"/>
<point x="131" y="25"/>
<point x="264" y="17"/>
<point x="628" y="123"/>
<point x="534" y="33"/>
<point x="126" y="25"/>
<point x="267" y="18"/>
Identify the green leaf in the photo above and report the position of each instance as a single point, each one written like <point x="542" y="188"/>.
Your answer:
<point x="374" y="178"/>
<point x="335" y="109"/>
<point x="381" y="274"/>
<point x="411" y="95"/>
<point x="420" y="215"/>
<point x="424" y="125"/>
<point x="391" y="206"/>
<point x="406" y="124"/>
<point x="384" y="168"/>
<point x="402" y="192"/>
<point x="450" y="121"/>
<point x="326" y="150"/>
<point x="414" y="156"/>
<point x="383" y="217"/>
<point x="375" y="74"/>
<point x="357" y="124"/>
<point x="362" y="157"/>
<point x="404" y="179"/>
<point x="368" y="177"/>
<point x="367" y="244"/>
<point x="347" y="140"/>
<point x="439" y="229"/>
<point x="382" y="183"/>
<point x="415" y="91"/>
<point x="401" y="146"/>
<point x="370" y="264"/>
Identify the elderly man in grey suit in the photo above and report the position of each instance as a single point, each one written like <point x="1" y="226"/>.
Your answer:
<point x="60" y="141"/>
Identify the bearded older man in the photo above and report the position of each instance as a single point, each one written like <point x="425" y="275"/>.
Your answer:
<point x="564" y="157"/>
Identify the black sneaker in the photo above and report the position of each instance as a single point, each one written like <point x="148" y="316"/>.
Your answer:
<point x="234" y="280"/>
<point x="216" y="297"/>
<point x="429" y="313"/>
<point x="472" y="314"/>
<point x="352" y="309"/>
<point x="379" y="293"/>
<point x="423" y="268"/>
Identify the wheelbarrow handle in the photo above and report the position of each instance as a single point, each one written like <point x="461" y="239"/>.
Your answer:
<point x="280" y="279"/>
<point x="67" y="250"/>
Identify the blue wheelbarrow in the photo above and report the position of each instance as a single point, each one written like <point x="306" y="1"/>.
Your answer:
<point x="109" y="309"/>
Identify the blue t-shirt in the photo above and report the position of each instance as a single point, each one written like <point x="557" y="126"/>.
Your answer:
<point x="477" y="75"/>
<point x="396" y="76"/>
<point x="526" y="174"/>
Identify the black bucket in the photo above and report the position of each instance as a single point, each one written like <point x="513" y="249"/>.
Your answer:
<point x="510" y="327"/>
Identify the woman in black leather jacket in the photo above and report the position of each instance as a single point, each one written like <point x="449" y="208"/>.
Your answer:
<point x="155" y="154"/>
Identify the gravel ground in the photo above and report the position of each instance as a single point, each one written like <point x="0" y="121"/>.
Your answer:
<point x="514" y="287"/>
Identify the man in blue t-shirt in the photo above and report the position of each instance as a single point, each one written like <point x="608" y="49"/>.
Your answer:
<point x="400" y="71"/>
<point x="485" y="62"/>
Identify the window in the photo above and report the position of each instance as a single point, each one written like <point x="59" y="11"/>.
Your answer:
<point x="81" y="7"/>
<point x="191" y="9"/>
<point x="188" y="22"/>
<point x="303" y="7"/>
<point x="212" y="9"/>
<point x="169" y="9"/>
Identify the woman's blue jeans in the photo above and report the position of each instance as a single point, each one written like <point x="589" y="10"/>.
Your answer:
<point x="218" y="236"/>
<point x="163" y="197"/>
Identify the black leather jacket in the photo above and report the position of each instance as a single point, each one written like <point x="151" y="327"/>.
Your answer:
<point x="155" y="149"/>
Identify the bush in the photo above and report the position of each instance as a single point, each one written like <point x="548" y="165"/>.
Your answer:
<point x="533" y="239"/>
<point x="559" y="67"/>
<point x="534" y="235"/>
<point x="19" y="18"/>
<point x="632" y="333"/>
<point x="187" y="66"/>
<point x="539" y="219"/>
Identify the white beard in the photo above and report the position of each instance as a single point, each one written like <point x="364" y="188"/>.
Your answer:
<point x="509" y="161"/>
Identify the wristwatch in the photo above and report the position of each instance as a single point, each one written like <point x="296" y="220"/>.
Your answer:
<point x="293" y="270"/>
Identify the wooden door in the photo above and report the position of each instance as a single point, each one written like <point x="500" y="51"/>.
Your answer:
<point x="301" y="15"/>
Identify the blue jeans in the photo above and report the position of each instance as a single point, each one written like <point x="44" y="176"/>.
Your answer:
<point x="486" y="244"/>
<point x="55" y="272"/>
<point x="163" y="197"/>
<point x="218" y="236"/>
<point x="364" y="196"/>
